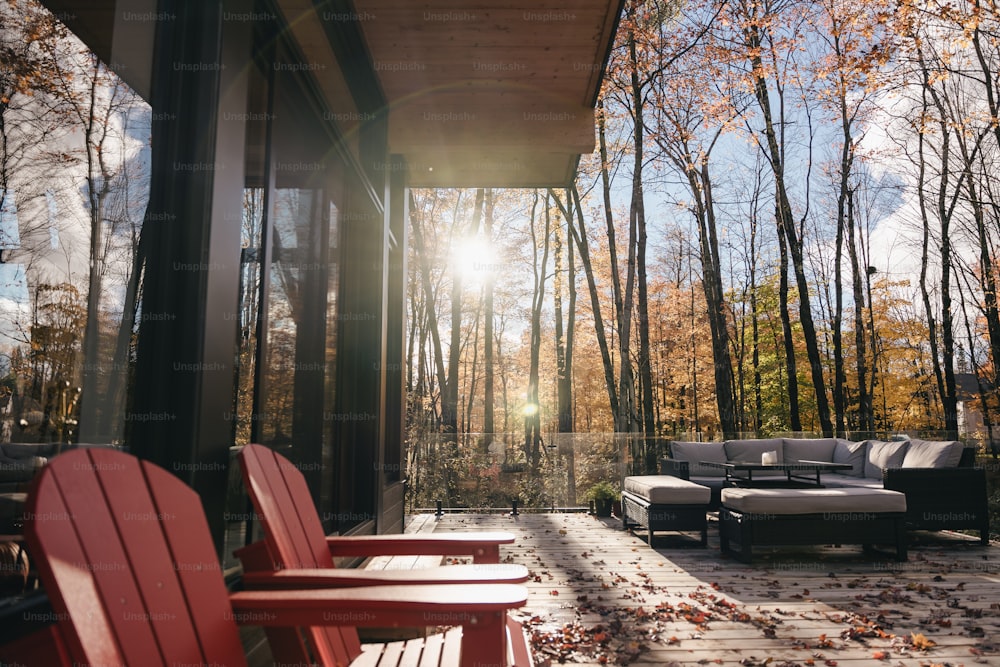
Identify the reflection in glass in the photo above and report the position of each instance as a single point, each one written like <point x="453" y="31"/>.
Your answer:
<point x="74" y="186"/>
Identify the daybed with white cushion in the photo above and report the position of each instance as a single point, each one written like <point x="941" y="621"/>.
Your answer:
<point x="756" y="517"/>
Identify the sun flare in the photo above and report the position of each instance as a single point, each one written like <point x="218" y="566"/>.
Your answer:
<point x="474" y="260"/>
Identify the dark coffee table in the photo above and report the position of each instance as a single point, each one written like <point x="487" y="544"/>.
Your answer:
<point x="797" y="473"/>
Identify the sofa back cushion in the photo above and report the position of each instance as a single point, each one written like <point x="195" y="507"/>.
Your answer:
<point x="752" y="450"/>
<point x="852" y="453"/>
<point x="809" y="449"/>
<point x="693" y="452"/>
<point x="883" y="454"/>
<point x="932" y="454"/>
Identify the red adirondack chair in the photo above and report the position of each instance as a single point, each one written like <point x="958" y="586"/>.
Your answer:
<point x="124" y="553"/>
<point x="295" y="539"/>
<point x="296" y="553"/>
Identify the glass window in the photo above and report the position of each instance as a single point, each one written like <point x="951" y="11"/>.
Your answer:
<point x="74" y="155"/>
<point x="286" y="379"/>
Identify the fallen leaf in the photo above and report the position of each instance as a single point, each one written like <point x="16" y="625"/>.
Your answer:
<point x="920" y="641"/>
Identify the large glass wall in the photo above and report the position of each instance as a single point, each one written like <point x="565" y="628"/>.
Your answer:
<point x="74" y="185"/>
<point x="115" y="296"/>
<point x="289" y="281"/>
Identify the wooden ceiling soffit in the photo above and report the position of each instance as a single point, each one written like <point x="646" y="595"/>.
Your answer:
<point x="488" y="93"/>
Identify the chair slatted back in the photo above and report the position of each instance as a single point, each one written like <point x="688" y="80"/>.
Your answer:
<point x="282" y="501"/>
<point x="294" y="535"/>
<point x="126" y="557"/>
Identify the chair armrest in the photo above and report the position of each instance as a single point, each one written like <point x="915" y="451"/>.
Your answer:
<point x="343" y="578"/>
<point x="480" y="610"/>
<point x="255" y="556"/>
<point x="939" y="490"/>
<point x="942" y="482"/>
<point x="675" y="468"/>
<point x="380" y="606"/>
<point x="483" y="547"/>
<point x="943" y="498"/>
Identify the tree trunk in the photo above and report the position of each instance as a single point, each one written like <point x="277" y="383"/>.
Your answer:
<point x="637" y="214"/>
<point x="533" y="414"/>
<point x="944" y="369"/>
<point x="859" y="276"/>
<point x="791" y="366"/>
<point x="701" y="185"/>
<point x="566" y="413"/>
<point x="489" y="401"/>
<point x="787" y="231"/>
<point x="580" y="239"/>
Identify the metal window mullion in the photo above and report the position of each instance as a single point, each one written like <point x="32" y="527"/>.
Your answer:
<point x="265" y="257"/>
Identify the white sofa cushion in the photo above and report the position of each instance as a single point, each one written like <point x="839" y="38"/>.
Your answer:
<point x="852" y="453"/>
<point x="813" y="501"/>
<point x="809" y="449"/>
<point x="750" y="451"/>
<point x="667" y="490"/>
<point x="693" y="452"/>
<point x="881" y="454"/>
<point x="933" y="454"/>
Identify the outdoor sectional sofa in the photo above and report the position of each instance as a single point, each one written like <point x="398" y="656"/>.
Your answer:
<point x="944" y="491"/>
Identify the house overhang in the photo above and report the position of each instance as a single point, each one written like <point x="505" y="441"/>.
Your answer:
<point x="476" y="93"/>
<point x="490" y="93"/>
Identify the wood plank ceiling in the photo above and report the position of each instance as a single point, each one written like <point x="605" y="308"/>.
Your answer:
<point x="489" y="93"/>
<point x="480" y="92"/>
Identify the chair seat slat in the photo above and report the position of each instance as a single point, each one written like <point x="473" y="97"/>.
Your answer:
<point x="432" y="649"/>
<point x="412" y="653"/>
<point x="391" y="654"/>
<point x="451" y="648"/>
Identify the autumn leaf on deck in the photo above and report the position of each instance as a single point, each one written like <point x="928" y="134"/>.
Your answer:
<point x="880" y="655"/>
<point x="921" y="642"/>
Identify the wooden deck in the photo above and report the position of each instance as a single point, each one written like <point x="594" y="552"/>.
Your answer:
<point x="599" y="595"/>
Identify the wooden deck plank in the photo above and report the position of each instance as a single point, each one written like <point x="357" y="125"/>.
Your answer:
<point x="681" y="604"/>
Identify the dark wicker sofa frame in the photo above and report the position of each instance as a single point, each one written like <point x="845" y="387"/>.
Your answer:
<point x="943" y="498"/>
<point x="867" y="529"/>
<point x="639" y="512"/>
